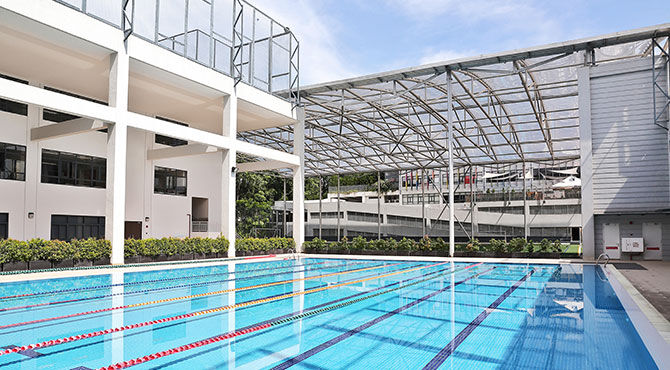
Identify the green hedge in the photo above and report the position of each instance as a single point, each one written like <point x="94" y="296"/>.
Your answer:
<point x="427" y="246"/>
<point x="263" y="245"/>
<point x="56" y="251"/>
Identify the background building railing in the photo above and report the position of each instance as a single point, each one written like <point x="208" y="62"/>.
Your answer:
<point x="230" y="36"/>
<point x="199" y="226"/>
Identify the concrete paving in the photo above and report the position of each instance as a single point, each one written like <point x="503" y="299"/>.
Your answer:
<point x="653" y="283"/>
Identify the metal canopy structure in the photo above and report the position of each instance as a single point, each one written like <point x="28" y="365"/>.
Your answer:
<point x="506" y="108"/>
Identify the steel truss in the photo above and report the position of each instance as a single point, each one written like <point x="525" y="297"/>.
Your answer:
<point x="508" y="109"/>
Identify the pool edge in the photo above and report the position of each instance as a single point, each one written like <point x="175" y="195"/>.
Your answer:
<point x="653" y="328"/>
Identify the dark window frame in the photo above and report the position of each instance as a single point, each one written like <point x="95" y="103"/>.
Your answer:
<point x="12" y="162"/>
<point x="170" y="141"/>
<point x="4" y="225"/>
<point x="167" y="180"/>
<point x="68" y="227"/>
<point x="64" y="168"/>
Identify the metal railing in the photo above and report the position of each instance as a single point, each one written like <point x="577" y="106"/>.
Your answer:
<point x="199" y="226"/>
<point x="229" y="36"/>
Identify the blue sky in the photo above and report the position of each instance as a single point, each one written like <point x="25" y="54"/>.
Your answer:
<point x="348" y="38"/>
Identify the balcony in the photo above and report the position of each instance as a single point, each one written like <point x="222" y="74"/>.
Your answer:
<point x="229" y="36"/>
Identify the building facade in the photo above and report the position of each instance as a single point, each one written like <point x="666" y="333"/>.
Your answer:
<point x="113" y="125"/>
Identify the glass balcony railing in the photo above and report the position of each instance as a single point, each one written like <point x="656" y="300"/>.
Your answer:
<point x="230" y="36"/>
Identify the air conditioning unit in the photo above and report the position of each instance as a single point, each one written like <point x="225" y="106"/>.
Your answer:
<point x="632" y="245"/>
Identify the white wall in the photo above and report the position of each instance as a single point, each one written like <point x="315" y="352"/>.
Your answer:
<point x="167" y="213"/>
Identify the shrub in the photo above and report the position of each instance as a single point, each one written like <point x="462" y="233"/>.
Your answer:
<point x="516" y="245"/>
<point x="497" y="246"/>
<point x="55" y="251"/>
<point x="557" y="246"/>
<point x="406" y="245"/>
<point x="315" y="245"/>
<point x="91" y="249"/>
<point x="358" y="244"/>
<point x="440" y="245"/>
<point x="473" y="245"/>
<point x="545" y="246"/>
<point x="530" y="247"/>
<point x="424" y="244"/>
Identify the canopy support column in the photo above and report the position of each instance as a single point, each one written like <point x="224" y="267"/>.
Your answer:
<point x="450" y="145"/>
<point x="338" y="207"/>
<point x="525" y="204"/>
<point x="320" y="209"/>
<point x="379" y="207"/>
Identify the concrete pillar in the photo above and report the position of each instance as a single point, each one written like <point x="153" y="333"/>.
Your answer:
<point x="33" y="155"/>
<point x="299" y="181"/>
<point x="117" y="137"/>
<point x="228" y="168"/>
<point x="450" y="145"/>
<point x="585" y="162"/>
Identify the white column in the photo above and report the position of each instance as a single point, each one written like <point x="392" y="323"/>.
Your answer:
<point x="450" y="112"/>
<point x="586" y="165"/>
<point x="117" y="136"/>
<point x="228" y="174"/>
<point x="33" y="163"/>
<point x="299" y="181"/>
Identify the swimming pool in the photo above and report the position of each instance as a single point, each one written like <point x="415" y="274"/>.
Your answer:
<point x="323" y="314"/>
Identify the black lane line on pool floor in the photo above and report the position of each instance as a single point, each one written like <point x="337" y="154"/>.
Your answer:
<point x="450" y="348"/>
<point x="323" y="346"/>
<point x="28" y="353"/>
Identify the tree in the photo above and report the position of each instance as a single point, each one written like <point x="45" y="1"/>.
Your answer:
<point x="254" y="201"/>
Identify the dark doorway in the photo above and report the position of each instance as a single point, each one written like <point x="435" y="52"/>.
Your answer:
<point x="575" y="234"/>
<point x="133" y="230"/>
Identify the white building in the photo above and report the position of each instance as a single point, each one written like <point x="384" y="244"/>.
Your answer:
<point x="123" y="122"/>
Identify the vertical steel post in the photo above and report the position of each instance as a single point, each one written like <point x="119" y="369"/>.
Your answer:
<point x="423" y="205"/>
<point x="186" y="31"/>
<point x="320" y="219"/>
<point x="450" y="111"/>
<point x="338" y="207"/>
<point x="525" y="206"/>
<point x="284" y="228"/>
<point x="379" y="207"/>
<point x="472" y="207"/>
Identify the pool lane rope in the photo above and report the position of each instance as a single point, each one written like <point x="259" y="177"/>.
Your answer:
<point x="176" y="286"/>
<point x="163" y="263"/>
<point x="97" y="287"/>
<point x="258" y="327"/>
<point x="191" y="296"/>
<point x="74" y="338"/>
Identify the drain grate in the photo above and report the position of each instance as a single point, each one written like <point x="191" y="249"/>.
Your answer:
<point x="628" y="266"/>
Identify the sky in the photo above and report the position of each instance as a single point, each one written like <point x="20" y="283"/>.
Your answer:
<point x="349" y="38"/>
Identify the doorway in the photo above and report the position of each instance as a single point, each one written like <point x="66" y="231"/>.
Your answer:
<point x="199" y="215"/>
<point x="133" y="230"/>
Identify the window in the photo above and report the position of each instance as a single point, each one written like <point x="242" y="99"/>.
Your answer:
<point x="166" y="140"/>
<point x="12" y="106"/>
<point x="169" y="181"/>
<point x="73" y="169"/>
<point x="55" y="116"/>
<point x="12" y="162"/>
<point x="4" y="225"/>
<point x="68" y="227"/>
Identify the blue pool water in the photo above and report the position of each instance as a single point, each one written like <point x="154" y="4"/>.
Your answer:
<point x="363" y="314"/>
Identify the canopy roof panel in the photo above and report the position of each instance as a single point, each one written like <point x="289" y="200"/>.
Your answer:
<point x="518" y="106"/>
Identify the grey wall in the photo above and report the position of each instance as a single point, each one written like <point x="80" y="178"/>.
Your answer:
<point x="631" y="226"/>
<point x="630" y="153"/>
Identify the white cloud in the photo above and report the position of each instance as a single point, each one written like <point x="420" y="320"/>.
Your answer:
<point x="321" y="58"/>
<point x="500" y="16"/>
<point x="435" y="56"/>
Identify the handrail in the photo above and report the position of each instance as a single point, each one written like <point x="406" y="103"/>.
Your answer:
<point x="601" y="256"/>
